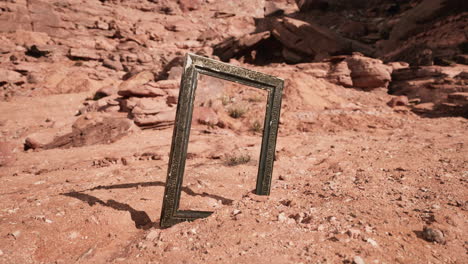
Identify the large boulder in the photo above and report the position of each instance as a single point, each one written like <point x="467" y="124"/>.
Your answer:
<point x="308" y="39"/>
<point x="94" y="128"/>
<point x="368" y="73"/>
<point x="41" y="139"/>
<point x="292" y="39"/>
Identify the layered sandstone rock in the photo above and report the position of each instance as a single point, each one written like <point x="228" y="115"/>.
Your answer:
<point x="368" y="73"/>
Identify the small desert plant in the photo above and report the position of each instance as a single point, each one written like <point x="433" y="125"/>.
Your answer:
<point x="237" y="111"/>
<point x="225" y="100"/>
<point x="256" y="126"/>
<point x="236" y="159"/>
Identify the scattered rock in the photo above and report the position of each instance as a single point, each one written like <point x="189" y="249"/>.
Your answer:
<point x="424" y="107"/>
<point x="148" y="106"/>
<point x="167" y="84"/>
<point x="353" y="233"/>
<point x="372" y="242"/>
<point x="272" y="9"/>
<point x="114" y="65"/>
<point x="397" y="65"/>
<point x="288" y="202"/>
<point x="299" y="217"/>
<point x="74" y="82"/>
<point x="44" y="137"/>
<point x="170" y="247"/>
<point x="15" y="234"/>
<point x="282" y="217"/>
<point x="368" y="73"/>
<point x="132" y="85"/>
<point x="107" y="90"/>
<point x="398" y="101"/>
<point x="433" y="86"/>
<point x="172" y="96"/>
<point x="7" y="76"/>
<point x="83" y="54"/>
<point x="161" y="119"/>
<point x="150" y="156"/>
<point x="189" y="5"/>
<point x="152" y="235"/>
<point x="358" y="260"/>
<point x="340" y="73"/>
<point x="94" y="128"/>
<point x="126" y="161"/>
<point x="433" y="235"/>
<point x="145" y="90"/>
<point x="73" y="235"/>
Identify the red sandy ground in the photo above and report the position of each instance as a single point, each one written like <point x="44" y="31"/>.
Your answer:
<point x="358" y="183"/>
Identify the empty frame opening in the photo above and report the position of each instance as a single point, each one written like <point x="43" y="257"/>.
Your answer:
<point x="224" y="145"/>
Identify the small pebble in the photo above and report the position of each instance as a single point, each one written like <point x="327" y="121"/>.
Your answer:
<point x="74" y="235"/>
<point x="433" y="235"/>
<point x="16" y="234"/>
<point x="358" y="260"/>
<point x="353" y="233"/>
<point x="282" y="217"/>
<point x="125" y="161"/>
<point x="152" y="235"/>
<point x="372" y="242"/>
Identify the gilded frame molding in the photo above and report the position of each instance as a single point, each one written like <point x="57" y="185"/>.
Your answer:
<point x="194" y="65"/>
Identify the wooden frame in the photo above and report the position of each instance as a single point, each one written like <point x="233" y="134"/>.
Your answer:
<point x="193" y="66"/>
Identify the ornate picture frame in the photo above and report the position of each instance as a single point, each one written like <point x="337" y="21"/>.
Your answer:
<point x="193" y="66"/>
